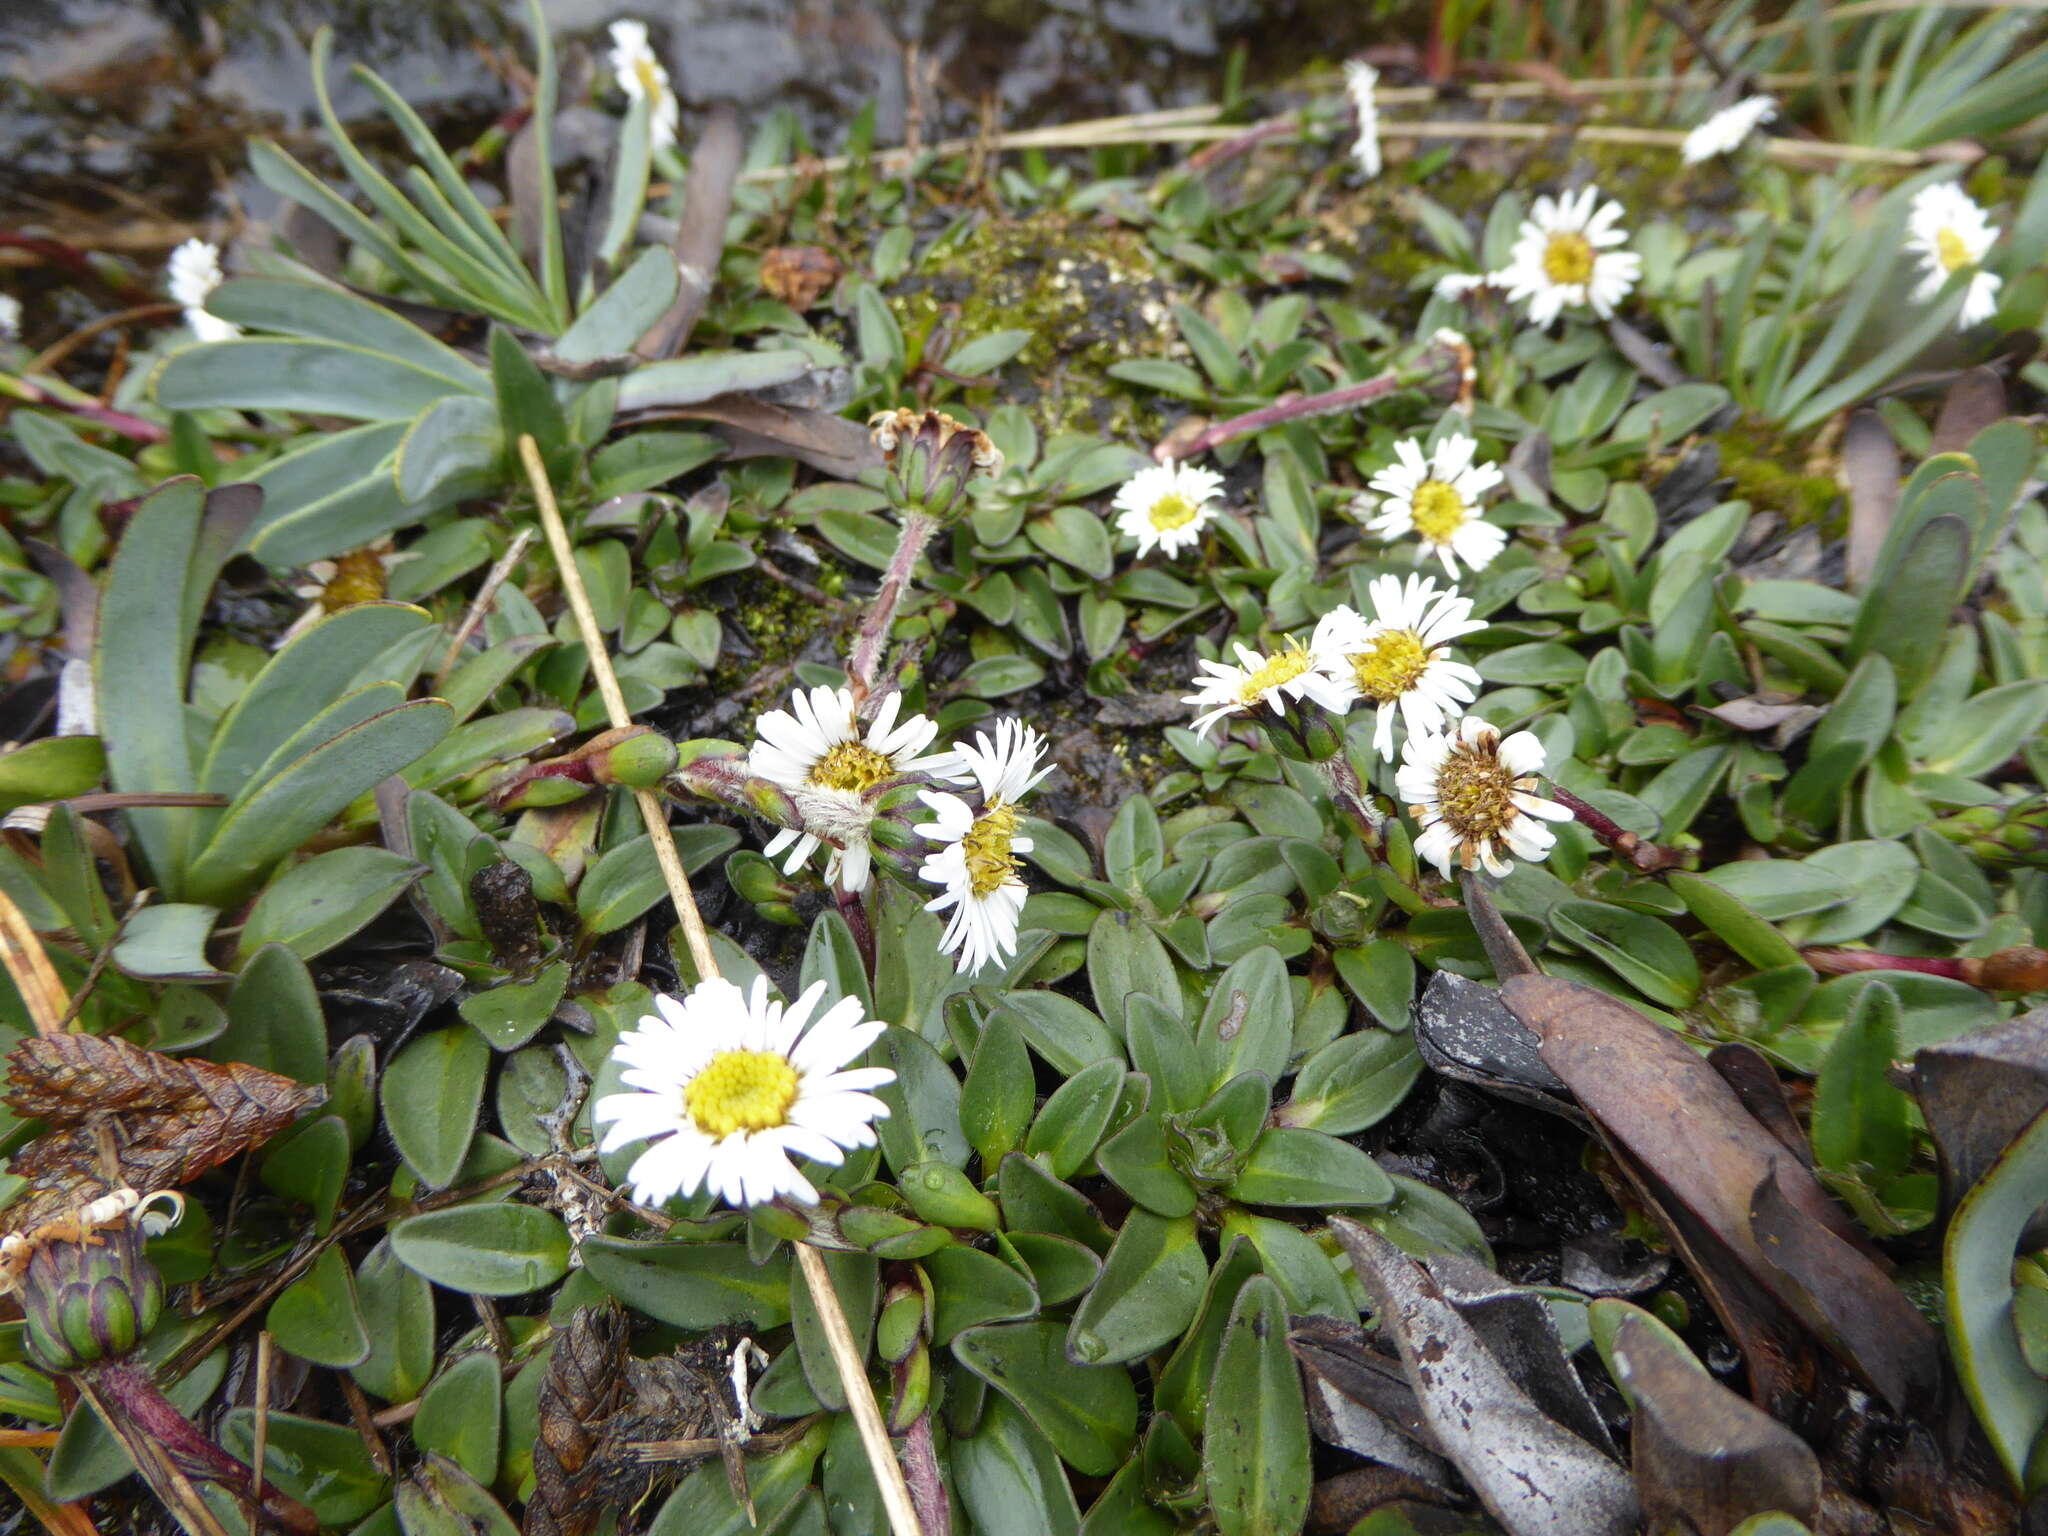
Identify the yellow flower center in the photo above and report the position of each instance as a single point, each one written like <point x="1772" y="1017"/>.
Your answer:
<point x="853" y="766"/>
<point x="1438" y="511"/>
<point x="987" y="846"/>
<point x="649" y="75"/>
<point x="741" y="1091"/>
<point x="1953" y="250"/>
<point x="1171" y="511"/>
<point x="1568" y="259"/>
<point x="1284" y="667"/>
<point x="1475" y="793"/>
<point x="358" y="578"/>
<point x="1391" y="665"/>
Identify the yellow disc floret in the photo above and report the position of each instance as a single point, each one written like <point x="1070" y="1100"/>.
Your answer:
<point x="1952" y="250"/>
<point x="1284" y="667"/>
<point x="1437" y="510"/>
<point x="1390" y="665"/>
<point x="741" y="1091"/>
<point x="1171" y="511"/>
<point x="852" y="766"/>
<point x="987" y="847"/>
<point x="358" y="578"/>
<point x="1568" y="259"/>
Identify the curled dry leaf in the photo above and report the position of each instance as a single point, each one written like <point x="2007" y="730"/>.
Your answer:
<point x="1360" y="1401"/>
<point x="1679" y="1122"/>
<point x="1704" y="1459"/>
<point x="1534" y="1475"/>
<point x="1979" y="1092"/>
<point x="158" y="1120"/>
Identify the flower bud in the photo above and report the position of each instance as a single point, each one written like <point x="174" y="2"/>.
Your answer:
<point x="910" y="1390"/>
<point x="903" y="1324"/>
<point x="87" y="1291"/>
<point x="1304" y="735"/>
<point x="637" y="756"/>
<point x="931" y="459"/>
<point x="2014" y="832"/>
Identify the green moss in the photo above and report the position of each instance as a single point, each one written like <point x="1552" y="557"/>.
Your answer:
<point x="1090" y="296"/>
<point x="1769" y="474"/>
<point x="777" y="621"/>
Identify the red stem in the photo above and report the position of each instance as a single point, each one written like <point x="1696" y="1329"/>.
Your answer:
<point x="1645" y="856"/>
<point x="874" y="627"/>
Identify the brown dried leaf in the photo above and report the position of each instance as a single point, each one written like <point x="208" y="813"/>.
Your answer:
<point x="700" y="237"/>
<point x="584" y="1386"/>
<point x="1704" y="1459"/>
<point x="798" y="275"/>
<point x="1870" y="463"/>
<point x="1973" y="402"/>
<point x="121" y="1115"/>
<point x="1980" y="1091"/>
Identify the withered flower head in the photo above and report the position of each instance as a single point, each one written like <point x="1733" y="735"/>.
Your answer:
<point x="86" y="1290"/>
<point x="931" y="459"/>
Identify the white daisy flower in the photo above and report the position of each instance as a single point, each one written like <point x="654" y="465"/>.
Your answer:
<point x="1400" y="658"/>
<point x="1561" y="257"/>
<point x="1289" y="673"/>
<point x="1458" y="285"/>
<point x="1166" y="506"/>
<point x="10" y="317"/>
<point x="192" y="275"/>
<point x="729" y="1088"/>
<point x="640" y="73"/>
<point x="1950" y="234"/>
<point x="817" y="751"/>
<point x="1360" y="79"/>
<point x="1473" y="796"/>
<point x="975" y="868"/>
<point x="1436" y="496"/>
<point x="1723" y="133"/>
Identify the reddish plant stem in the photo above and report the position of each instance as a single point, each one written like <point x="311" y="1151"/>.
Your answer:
<point x="30" y="393"/>
<point x="874" y="627"/>
<point x="1642" y="854"/>
<point x="2022" y="968"/>
<point x="1439" y="366"/>
<point x="854" y="909"/>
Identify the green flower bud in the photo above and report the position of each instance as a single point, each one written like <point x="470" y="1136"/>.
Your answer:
<point x="1304" y="735"/>
<point x="2014" y="832"/>
<point x="941" y="1193"/>
<point x="931" y="460"/>
<point x="541" y="790"/>
<point x="910" y="1390"/>
<point x="87" y="1292"/>
<point x="904" y="1323"/>
<point x="638" y="757"/>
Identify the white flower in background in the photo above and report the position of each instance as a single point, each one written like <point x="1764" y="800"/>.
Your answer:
<point x="1950" y="234"/>
<point x="1360" y="79"/>
<point x="1723" y="133"/>
<point x="1459" y="285"/>
<point x="639" y="73"/>
<point x="193" y="274"/>
<point x="1274" y="681"/>
<point x="1166" y="506"/>
<point x="1436" y="496"/>
<point x="1562" y="257"/>
<point x="10" y="317"/>
<point x="1472" y="794"/>
<point x="975" y="866"/>
<point x="729" y="1088"/>
<point x="817" y="751"/>
<point x="1400" y="658"/>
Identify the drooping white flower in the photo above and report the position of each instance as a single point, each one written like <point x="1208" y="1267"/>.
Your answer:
<point x="1275" y="681"/>
<point x="1563" y="256"/>
<point x="1400" y="658"/>
<point x="1950" y="234"/>
<point x="729" y="1088"/>
<point x="10" y="317"/>
<point x="1166" y="506"/>
<point x="1724" y="132"/>
<point x="1436" y="496"/>
<point x="817" y="751"/>
<point x="975" y="864"/>
<point x="1459" y="285"/>
<point x="1360" y="80"/>
<point x="192" y="275"/>
<point x="640" y="74"/>
<point x="1472" y="794"/>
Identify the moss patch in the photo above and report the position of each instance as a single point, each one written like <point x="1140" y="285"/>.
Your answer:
<point x="1769" y="474"/>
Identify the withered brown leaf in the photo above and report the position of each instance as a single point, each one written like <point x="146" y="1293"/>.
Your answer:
<point x="117" y="1114"/>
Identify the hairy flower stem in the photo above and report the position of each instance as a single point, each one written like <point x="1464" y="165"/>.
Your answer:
<point x="1442" y="368"/>
<point x="874" y="627"/>
<point x="1352" y="799"/>
<point x="171" y="1453"/>
<point x="2020" y="969"/>
<point x="853" y="908"/>
<point x="927" y="1486"/>
<point x="1643" y="855"/>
